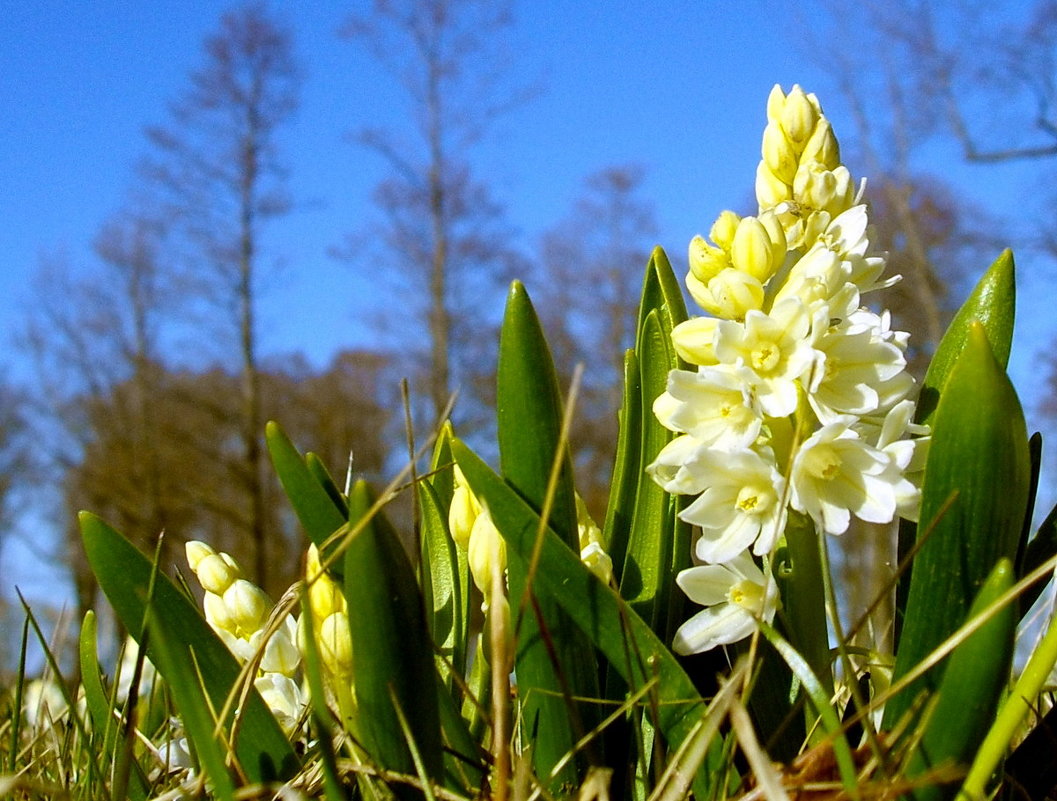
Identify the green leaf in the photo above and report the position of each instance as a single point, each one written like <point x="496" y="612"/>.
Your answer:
<point x="319" y="512"/>
<point x="182" y="647"/>
<point x="992" y="304"/>
<point x="529" y="411"/>
<point x="597" y="610"/>
<point x="979" y="458"/>
<point x="393" y="653"/>
<point x="1041" y="548"/>
<point x="974" y="677"/>
<point x="99" y="706"/>
<point x="326" y="481"/>
<point x="660" y="293"/>
<point x="445" y="601"/>
<point x="627" y="466"/>
<point x="647" y="578"/>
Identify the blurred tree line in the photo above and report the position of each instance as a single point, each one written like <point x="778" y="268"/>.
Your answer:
<point x="151" y="391"/>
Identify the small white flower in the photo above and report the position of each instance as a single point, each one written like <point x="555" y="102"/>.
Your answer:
<point x="735" y="596"/>
<point x="283" y="697"/>
<point x="836" y="474"/>
<point x="775" y="348"/>
<point x="714" y="405"/>
<point x="742" y="507"/>
<point x="852" y="368"/>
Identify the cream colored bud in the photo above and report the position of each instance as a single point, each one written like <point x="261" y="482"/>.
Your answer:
<point x="815" y="187"/>
<point x="335" y="644"/>
<point x="461" y="515"/>
<point x="724" y="228"/>
<point x="214" y="574"/>
<point x="799" y="115"/>
<point x="280" y="652"/>
<point x="706" y="260"/>
<point x="694" y="340"/>
<point x="248" y="604"/>
<point x="324" y="595"/>
<point x="752" y="251"/>
<point x="822" y="146"/>
<point x="775" y="104"/>
<point x="770" y="189"/>
<point x="776" y="233"/>
<point x="217" y="613"/>
<point x="732" y="294"/>
<point x="196" y="551"/>
<point x="587" y="529"/>
<point x="778" y="152"/>
<point x="486" y="547"/>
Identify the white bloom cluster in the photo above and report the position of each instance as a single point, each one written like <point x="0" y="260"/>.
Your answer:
<point x="800" y="398"/>
<point x="238" y="610"/>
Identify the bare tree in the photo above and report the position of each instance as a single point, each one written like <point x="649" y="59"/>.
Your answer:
<point x="218" y="168"/>
<point x="86" y="336"/>
<point x="590" y="277"/>
<point x="441" y="231"/>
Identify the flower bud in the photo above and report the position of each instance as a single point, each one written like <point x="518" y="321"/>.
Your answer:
<point x="196" y="551"/>
<point x="461" y="515"/>
<point x="822" y="146"/>
<point x="778" y="152"/>
<point x="724" y="228"/>
<point x="770" y="189"/>
<point x="214" y="574"/>
<point x="732" y="294"/>
<point x="706" y="260"/>
<point x="485" y="548"/>
<point x="217" y="613"/>
<point x="752" y="251"/>
<point x="248" y="605"/>
<point x="800" y="112"/>
<point x="335" y="644"/>
<point x="324" y="595"/>
<point x="694" y="340"/>
<point x="280" y="652"/>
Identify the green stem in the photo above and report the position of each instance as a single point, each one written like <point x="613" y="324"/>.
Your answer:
<point x="802" y="582"/>
<point x="1017" y="705"/>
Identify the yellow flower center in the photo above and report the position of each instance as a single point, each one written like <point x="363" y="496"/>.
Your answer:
<point x="822" y="462"/>
<point x="752" y="501"/>
<point x="765" y="357"/>
<point x="748" y="595"/>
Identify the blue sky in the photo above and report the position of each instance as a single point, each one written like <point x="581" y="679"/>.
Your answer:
<point x="677" y="87"/>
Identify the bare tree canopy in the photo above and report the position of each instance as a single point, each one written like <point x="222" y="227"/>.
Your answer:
<point x="441" y="237"/>
<point x="218" y="167"/>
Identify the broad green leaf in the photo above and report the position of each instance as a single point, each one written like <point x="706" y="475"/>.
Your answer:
<point x="597" y="610"/>
<point x="660" y="293"/>
<point x="1042" y="547"/>
<point x="320" y="514"/>
<point x="392" y="650"/>
<point x="323" y="477"/>
<point x="529" y="411"/>
<point x="974" y="677"/>
<point x="446" y="615"/>
<point x="443" y="478"/>
<point x="646" y="580"/>
<point x="627" y="465"/>
<point x="99" y="707"/>
<point x="992" y="304"/>
<point x="979" y="458"/>
<point x="189" y="696"/>
<point x="182" y="647"/>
